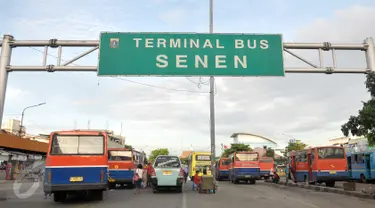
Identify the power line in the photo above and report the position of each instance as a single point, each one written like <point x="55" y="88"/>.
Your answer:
<point x="160" y="87"/>
<point x="128" y="80"/>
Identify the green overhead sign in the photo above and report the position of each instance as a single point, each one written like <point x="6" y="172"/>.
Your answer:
<point x="190" y="54"/>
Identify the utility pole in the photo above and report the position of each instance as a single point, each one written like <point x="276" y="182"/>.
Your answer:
<point x="88" y="124"/>
<point x="212" y="102"/>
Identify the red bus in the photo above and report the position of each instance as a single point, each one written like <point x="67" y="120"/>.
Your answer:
<point x="222" y="169"/>
<point x="77" y="161"/>
<point x="266" y="164"/>
<point x="244" y="166"/>
<point x="326" y="164"/>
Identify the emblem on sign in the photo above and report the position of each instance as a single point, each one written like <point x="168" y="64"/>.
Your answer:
<point x="114" y="42"/>
<point x="116" y="166"/>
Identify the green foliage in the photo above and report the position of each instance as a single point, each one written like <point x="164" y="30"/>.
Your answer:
<point x="270" y="152"/>
<point x="364" y="123"/>
<point x="128" y="146"/>
<point x="184" y="161"/>
<point x="157" y="152"/>
<point x="295" y="146"/>
<point x="236" y="148"/>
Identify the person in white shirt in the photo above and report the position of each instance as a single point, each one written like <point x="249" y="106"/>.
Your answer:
<point x="138" y="179"/>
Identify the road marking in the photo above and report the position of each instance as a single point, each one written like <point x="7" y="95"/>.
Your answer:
<point x="305" y="203"/>
<point x="184" y="205"/>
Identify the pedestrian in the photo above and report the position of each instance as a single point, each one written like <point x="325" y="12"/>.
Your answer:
<point x="186" y="172"/>
<point x="144" y="177"/>
<point x="149" y="172"/>
<point x="46" y="194"/>
<point x="138" y="179"/>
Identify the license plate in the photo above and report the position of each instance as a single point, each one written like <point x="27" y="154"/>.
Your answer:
<point x="167" y="172"/>
<point x="332" y="172"/>
<point x="76" y="179"/>
<point x="247" y="176"/>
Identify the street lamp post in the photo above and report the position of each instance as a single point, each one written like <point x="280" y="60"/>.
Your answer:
<point x="23" y="113"/>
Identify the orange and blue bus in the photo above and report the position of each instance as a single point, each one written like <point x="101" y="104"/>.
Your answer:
<point x="266" y="164"/>
<point x="121" y="167"/>
<point x="122" y="163"/>
<point x="244" y="166"/>
<point x="326" y="164"/>
<point x="77" y="161"/>
<point x="222" y="169"/>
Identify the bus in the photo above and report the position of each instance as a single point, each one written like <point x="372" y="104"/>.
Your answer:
<point x="77" y="161"/>
<point x="121" y="167"/>
<point x="221" y="168"/>
<point x="244" y="166"/>
<point x="199" y="161"/>
<point x="326" y="164"/>
<point x="361" y="166"/>
<point x="266" y="164"/>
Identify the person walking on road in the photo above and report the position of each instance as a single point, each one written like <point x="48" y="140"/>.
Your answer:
<point x="186" y="172"/>
<point x="138" y="179"/>
<point x="149" y="172"/>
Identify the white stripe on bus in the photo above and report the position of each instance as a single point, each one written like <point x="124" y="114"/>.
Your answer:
<point x="79" y="166"/>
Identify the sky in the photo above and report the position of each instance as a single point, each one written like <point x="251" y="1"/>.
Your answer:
<point x="174" y="112"/>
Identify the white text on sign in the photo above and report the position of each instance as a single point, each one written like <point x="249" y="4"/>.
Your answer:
<point x="200" y="61"/>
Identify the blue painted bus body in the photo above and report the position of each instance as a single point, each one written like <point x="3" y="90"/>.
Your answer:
<point x="361" y="165"/>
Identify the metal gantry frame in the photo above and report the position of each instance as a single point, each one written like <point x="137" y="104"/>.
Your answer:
<point x="9" y="43"/>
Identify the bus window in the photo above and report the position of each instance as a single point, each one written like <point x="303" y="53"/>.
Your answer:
<point x="115" y="155"/>
<point x="330" y="153"/>
<point x="167" y="161"/>
<point x="360" y="159"/>
<point x="226" y="162"/>
<point x="77" y="145"/>
<point x="247" y="157"/>
<point x="203" y="158"/>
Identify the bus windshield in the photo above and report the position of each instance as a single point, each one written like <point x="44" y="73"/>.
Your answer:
<point x="247" y="157"/>
<point x="225" y="162"/>
<point x="331" y="153"/>
<point x="120" y="155"/>
<point x="77" y="145"/>
<point x="266" y="160"/>
<point x="167" y="162"/>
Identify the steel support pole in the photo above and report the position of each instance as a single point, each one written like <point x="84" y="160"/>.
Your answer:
<point x="370" y="54"/>
<point x="212" y="105"/>
<point x="6" y="53"/>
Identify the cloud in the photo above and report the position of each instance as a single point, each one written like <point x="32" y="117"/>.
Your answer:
<point x="310" y="107"/>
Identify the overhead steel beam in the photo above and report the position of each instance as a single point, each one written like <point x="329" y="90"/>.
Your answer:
<point x="52" y="68"/>
<point x="80" y="56"/>
<point x="54" y="43"/>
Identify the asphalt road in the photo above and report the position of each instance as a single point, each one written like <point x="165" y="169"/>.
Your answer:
<point x="259" y="195"/>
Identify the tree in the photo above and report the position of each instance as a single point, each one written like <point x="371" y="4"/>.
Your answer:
<point x="157" y="152"/>
<point x="364" y="123"/>
<point x="184" y="161"/>
<point x="294" y="146"/>
<point x="128" y="146"/>
<point x="270" y="152"/>
<point x="236" y="148"/>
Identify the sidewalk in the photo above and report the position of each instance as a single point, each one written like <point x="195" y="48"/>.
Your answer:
<point x="12" y="189"/>
<point x="322" y="188"/>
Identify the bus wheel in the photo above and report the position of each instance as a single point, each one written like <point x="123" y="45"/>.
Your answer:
<point x="252" y="181"/>
<point x="59" y="196"/>
<point x="97" y="195"/>
<point x="330" y="183"/>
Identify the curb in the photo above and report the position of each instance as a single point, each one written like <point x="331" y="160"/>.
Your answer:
<point x="284" y="185"/>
